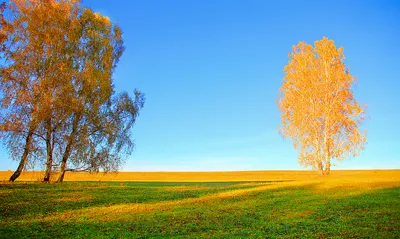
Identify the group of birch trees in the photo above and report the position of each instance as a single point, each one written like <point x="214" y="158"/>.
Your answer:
<point x="59" y="108"/>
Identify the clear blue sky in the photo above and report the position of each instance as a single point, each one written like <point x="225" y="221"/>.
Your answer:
<point x="211" y="71"/>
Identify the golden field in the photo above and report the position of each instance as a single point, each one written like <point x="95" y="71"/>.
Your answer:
<point x="234" y="176"/>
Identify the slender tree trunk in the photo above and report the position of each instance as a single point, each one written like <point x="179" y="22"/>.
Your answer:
<point x="49" y="162"/>
<point x="327" y="121"/>
<point x="327" y="158"/>
<point x="320" y="168"/>
<point x="327" y="161"/>
<point x="62" y="171"/>
<point x="328" y="167"/>
<point x="68" y="148"/>
<point x="24" y="158"/>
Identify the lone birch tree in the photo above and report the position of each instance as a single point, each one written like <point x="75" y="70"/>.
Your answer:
<point x="318" y="110"/>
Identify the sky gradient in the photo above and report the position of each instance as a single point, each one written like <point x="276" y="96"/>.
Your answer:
<point x="211" y="71"/>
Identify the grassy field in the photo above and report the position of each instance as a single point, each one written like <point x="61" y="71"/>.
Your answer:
<point x="259" y="204"/>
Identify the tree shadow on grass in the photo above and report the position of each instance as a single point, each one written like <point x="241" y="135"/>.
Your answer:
<point x="37" y="200"/>
<point x="301" y="212"/>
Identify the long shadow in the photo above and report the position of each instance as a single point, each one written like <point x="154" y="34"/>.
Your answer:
<point x="265" y="214"/>
<point x="37" y="200"/>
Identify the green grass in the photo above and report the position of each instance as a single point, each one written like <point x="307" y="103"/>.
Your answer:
<point x="200" y="210"/>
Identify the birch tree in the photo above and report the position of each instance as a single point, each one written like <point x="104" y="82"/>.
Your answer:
<point x="101" y="123"/>
<point x="33" y="77"/>
<point x="59" y="100"/>
<point x="318" y="109"/>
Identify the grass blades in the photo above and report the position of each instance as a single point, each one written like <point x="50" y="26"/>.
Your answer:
<point x="321" y="208"/>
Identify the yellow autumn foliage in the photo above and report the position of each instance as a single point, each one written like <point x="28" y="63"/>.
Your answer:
<point x="318" y="110"/>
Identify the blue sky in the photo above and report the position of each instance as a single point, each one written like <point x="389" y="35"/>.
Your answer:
<point x="211" y="71"/>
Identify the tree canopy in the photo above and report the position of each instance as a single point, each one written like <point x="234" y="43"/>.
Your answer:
<point x="318" y="110"/>
<point x="58" y="100"/>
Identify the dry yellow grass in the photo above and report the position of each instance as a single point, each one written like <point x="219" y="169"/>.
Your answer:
<point x="288" y="175"/>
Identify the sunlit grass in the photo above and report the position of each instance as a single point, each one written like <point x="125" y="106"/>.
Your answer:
<point x="357" y="204"/>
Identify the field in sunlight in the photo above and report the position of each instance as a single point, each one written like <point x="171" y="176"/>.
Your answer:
<point x="259" y="204"/>
<point x="240" y="176"/>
